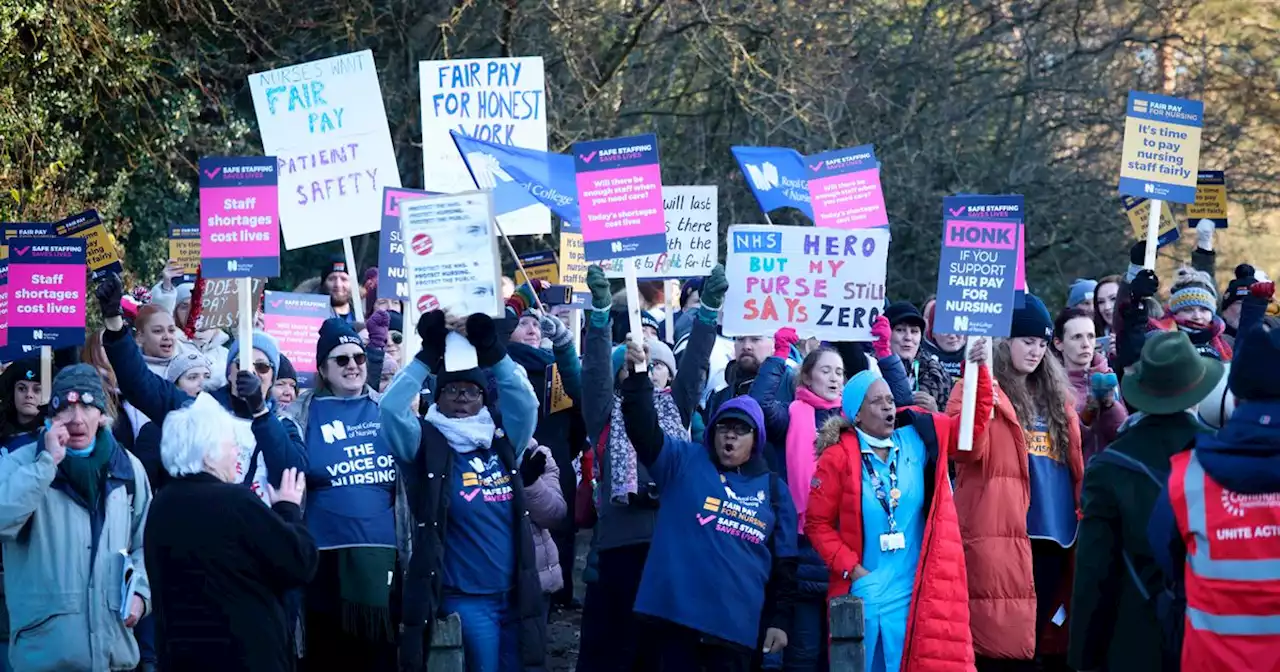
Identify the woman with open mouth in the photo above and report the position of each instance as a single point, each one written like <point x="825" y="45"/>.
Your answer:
<point x="881" y="515"/>
<point x="719" y="581"/>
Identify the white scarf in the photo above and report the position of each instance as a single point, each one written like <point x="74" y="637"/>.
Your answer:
<point x="874" y="442"/>
<point x="464" y="434"/>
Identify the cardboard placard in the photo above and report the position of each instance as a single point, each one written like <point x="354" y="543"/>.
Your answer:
<point x="452" y="253"/>
<point x="220" y="306"/>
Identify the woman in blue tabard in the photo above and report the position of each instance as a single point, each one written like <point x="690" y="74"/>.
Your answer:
<point x="350" y="511"/>
<point x="472" y="551"/>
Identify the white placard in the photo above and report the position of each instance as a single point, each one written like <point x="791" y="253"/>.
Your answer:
<point x="825" y="283"/>
<point x="451" y="253"/>
<point x="693" y="237"/>
<point x="325" y="123"/>
<point x="498" y="100"/>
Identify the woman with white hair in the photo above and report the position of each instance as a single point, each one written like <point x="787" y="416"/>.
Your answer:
<point x="220" y="562"/>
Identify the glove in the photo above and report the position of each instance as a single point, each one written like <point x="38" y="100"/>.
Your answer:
<point x="882" y="332"/>
<point x="601" y="296"/>
<point x="1204" y="234"/>
<point x="379" y="326"/>
<point x="714" y="287"/>
<point x="109" y="292"/>
<point x="1138" y="253"/>
<point x="1263" y="290"/>
<point x="432" y="331"/>
<point x="249" y="388"/>
<point x="1144" y="285"/>
<point x="533" y="467"/>
<point x="482" y="333"/>
<point x="783" y="340"/>
<point x="1101" y="384"/>
<point x="555" y="331"/>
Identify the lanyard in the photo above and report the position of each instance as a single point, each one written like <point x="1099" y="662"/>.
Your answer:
<point x="888" y="500"/>
<point x="915" y="374"/>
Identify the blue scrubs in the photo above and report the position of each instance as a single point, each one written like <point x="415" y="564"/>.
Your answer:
<point x="886" y="591"/>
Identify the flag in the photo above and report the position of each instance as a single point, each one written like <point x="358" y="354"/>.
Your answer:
<point x="776" y="177"/>
<point x="521" y="177"/>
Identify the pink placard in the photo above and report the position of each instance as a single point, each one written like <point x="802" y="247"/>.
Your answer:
<point x="48" y="296"/>
<point x="848" y="200"/>
<point x="239" y="222"/>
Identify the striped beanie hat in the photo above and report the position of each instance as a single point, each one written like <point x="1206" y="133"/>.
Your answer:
<point x="1192" y="296"/>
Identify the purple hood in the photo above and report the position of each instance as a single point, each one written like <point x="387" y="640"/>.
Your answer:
<point x="748" y="406"/>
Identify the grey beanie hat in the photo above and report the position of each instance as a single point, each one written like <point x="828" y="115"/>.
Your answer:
<point x="184" y="362"/>
<point x="78" y="384"/>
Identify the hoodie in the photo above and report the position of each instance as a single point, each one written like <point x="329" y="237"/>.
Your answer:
<point x="723" y="556"/>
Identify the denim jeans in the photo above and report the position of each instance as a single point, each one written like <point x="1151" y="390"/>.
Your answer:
<point x="145" y="633"/>
<point x="490" y="631"/>
<point x="807" y="642"/>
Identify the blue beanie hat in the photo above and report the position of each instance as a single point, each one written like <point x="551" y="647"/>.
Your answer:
<point x="333" y="332"/>
<point x="261" y="341"/>
<point x="1031" y="320"/>
<point x="1081" y="291"/>
<point x="619" y="358"/>
<point x="855" y="391"/>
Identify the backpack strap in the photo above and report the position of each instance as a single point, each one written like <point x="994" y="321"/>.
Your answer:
<point x="1157" y="476"/>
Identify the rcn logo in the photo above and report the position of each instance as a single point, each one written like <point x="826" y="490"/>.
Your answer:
<point x="487" y="170"/>
<point x="1149" y="188"/>
<point x="333" y="431"/>
<point x="616" y="246"/>
<point x="764" y="177"/>
<point x="233" y="265"/>
<point x="960" y="325"/>
<point x="38" y="334"/>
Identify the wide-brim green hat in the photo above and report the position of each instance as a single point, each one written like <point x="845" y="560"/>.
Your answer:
<point x="1171" y="377"/>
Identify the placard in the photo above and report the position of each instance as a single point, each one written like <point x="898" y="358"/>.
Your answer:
<point x="1211" y="199"/>
<point x="978" y="267"/>
<point x="325" y="123"/>
<point x="620" y="197"/>
<point x="693" y="237"/>
<point x="844" y="187"/>
<point x="1138" y="209"/>
<point x="539" y="265"/>
<point x="10" y="230"/>
<point x="393" y="280"/>
<point x="294" y="320"/>
<point x="46" y="292"/>
<point x="573" y="263"/>
<point x="4" y="305"/>
<point x="1161" y="154"/>
<point x="220" y="304"/>
<point x="239" y="217"/>
<point x="498" y="100"/>
<point x="101" y="253"/>
<point x="184" y="248"/>
<point x="825" y="284"/>
<point x="452" y="253"/>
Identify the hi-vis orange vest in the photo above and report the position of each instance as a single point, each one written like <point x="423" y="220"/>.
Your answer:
<point x="1232" y="571"/>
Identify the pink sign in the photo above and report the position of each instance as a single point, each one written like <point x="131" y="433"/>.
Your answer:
<point x="46" y="292"/>
<point x="239" y="217"/>
<point x="294" y="320"/>
<point x="844" y="187"/>
<point x="620" y="197"/>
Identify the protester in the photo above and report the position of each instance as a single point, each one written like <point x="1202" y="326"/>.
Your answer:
<point x="626" y="496"/>
<point x="1081" y="294"/>
<point x="556" y="373"/>
<point x="948" y="349"/>
<point x="284" y="388"/>
<point x="690" y="300"/>
<point x="1092" y="381"/>
<point x="1017" y="493"/>
<point x="1114" y="624"/>
<point x="1104" y="305"/>
<point x="350" y="509"/>
<point x="541" y="479"/>
<point x="157" y="337"/>
<point x="335" y="282"/>
<point x="212" y="343"/>
<point x="735" y="380"/>
<point x="472" y="552"/>
<point x="1237" y="289"/>
<point x="75" y="506"/>
<point x="1212" y="528"/>
<point x="930" y="385"/>
<point x="21" y="415"/>
<point x="219" y="562"/>
<point x="188" y="372"/>
<point x="721" y="614"/>
<point x="899" y="458"/>
<point x="1193" y="301"/>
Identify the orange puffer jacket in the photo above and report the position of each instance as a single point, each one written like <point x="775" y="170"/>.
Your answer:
<point x="833" y="524"/>
<point x="993" y="494"/>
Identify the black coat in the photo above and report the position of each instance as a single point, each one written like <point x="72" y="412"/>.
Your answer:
<point x="427" y="482"/>
<point x="220" y="563"/>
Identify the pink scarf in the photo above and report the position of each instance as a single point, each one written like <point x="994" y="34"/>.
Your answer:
<point x="802" y="434"/>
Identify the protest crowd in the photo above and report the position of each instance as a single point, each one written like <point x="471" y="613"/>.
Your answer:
<point x="358" y="475"/>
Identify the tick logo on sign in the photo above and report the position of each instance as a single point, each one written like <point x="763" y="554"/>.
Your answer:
<point x="422" y="244"/>
<point x="334" y="431"/>
<point x="764" y="177"/>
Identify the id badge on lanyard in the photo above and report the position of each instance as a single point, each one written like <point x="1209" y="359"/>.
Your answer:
<point x="893" y="540"/>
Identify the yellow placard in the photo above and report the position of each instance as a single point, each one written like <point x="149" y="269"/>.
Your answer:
<point x="1139" y="209"/>
<point x="1161" y="153"/>
<point x="184" y="248"/>
<point x="100" y="248"/>
<point x="560" y="401"/>
<point x="1211" y="199"/>
<point x="573" y="260"/>
<point x="539" y="265"/>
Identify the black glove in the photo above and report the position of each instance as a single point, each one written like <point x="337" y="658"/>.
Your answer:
<point x="249" y="388"/>
<point x="1138" y="253"/>
<point x="483" y="334"/>
<point x="1144" y="285"/>
<point x="533" y="466"/>
<point x="432" y="330"/>
<point x="109" y="292"/>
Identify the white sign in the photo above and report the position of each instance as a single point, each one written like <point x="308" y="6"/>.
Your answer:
<point x="451" y="252"/>
<point x="325" y="124"/>
<point x="693" y="237"/>
<point x="498" y="100"/>
<point x="826" y="283"/>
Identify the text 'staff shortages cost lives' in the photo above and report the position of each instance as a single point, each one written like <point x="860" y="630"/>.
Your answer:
<point x="239" y="217"/>
<point x="978" y="264"/>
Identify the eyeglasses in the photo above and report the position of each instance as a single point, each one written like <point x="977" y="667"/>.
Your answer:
<point x="263" y="368"/>
<point x="734" y="428"/>
<point x="461" y="392"/>
<point x="343" y="360"/>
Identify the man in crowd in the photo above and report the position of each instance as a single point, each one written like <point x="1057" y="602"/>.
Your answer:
<point x="335" y="281"/>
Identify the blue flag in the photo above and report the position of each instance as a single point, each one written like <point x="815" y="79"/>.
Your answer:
<point x="521" y="177"/>
<point x="776" y="176"/>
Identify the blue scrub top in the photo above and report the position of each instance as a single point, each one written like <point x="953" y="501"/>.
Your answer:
<point x="893" y="573"/>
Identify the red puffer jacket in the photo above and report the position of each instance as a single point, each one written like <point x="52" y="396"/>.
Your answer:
<point x="938" y="638"/>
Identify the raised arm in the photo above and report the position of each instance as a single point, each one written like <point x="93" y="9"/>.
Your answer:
<point x="401" y="429"/>
<point x="687" y="387"/>
<point x="764" y="389"/>
<point x="151" y="394"/>
<point x="597" y="374"/>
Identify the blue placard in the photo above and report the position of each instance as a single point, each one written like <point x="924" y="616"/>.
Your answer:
<point x="978" y="265"/>
<point x="1161" y="152"/>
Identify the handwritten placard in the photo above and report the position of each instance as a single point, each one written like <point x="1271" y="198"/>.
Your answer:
<point x="693" y="237"/>
<point x="220" y="306"/>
